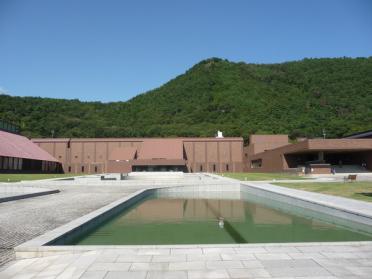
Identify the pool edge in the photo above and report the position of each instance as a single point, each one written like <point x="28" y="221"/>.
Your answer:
<point x="36" y="247"/>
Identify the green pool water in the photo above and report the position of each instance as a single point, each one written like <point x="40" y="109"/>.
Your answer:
<point x="190" y="220"/>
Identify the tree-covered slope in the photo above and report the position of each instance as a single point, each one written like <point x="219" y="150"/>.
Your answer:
<point x="299" y="98"/>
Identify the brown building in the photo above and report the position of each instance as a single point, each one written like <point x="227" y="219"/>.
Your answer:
<point x="121" y="155"/>
<point x="265" y="153"/>
<point x="19" y="154"/>
<point x="274" y="153"/>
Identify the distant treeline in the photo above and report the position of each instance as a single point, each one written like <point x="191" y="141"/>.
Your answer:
<point x="298" y="98"/>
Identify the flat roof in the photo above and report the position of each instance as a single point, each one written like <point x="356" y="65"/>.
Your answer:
<point x="359" y="135"/>
<point x="185" y="139"/>
<point x="335" y="145"/>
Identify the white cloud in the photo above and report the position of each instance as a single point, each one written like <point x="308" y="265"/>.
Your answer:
<point x="3" y="91"/>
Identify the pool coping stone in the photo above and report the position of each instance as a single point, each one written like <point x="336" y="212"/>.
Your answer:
<point x="37" y="246"/>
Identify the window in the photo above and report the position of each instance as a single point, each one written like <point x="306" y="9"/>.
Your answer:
<point x="5" y="163"/>
<point x="256" y="163"/>
<point x="15" y="164"/>
<point x="214" y="167"/>
<point x="201" y="168"/>
<point x="1" y="162"/>
<point x="10" y="163"/>
<point x="69" y="168"/>
<point x="227" y="167"/>
<point x="82" y="169"/>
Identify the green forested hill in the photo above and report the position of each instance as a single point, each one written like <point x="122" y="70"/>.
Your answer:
<point x="299" y="98"/>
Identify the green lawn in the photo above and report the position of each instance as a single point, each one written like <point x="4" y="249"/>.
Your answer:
<point x="254" y="176"/>
<point x="354" y="190"/>
<point x="11" y="177"/>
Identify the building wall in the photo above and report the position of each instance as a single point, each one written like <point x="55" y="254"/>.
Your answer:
<point x="268" y="139"/>
<point x="261" y="143"/>
<point x="89" y="155"/>
<point x="275" y="160"/>
<point x="204" y="154"/>
<point x="214" y="155"/>
<point x="340" y="144"/>
<point x="116" y="167"/>
<point x="318" y="170"/>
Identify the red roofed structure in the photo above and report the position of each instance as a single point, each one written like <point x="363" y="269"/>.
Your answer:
<point x="18" y="153"/>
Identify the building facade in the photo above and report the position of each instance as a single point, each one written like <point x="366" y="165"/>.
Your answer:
<point x="18" y="154"/>
<point x="274" y="153"/>
<point x="122" y="155"/>
<point x="265" y="153"/>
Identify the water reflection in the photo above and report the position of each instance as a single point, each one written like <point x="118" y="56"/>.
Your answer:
<point x="190" y="209"/>
<point x="191" y="221"/>
<point x="201" y="209"/>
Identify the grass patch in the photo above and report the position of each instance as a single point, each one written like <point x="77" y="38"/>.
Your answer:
<point x="15" y="177"/>
<point x="354" y="190"/>
<point x="255" y="176"/>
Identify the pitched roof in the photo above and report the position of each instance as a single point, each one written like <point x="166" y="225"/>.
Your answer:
<point x="123" y="153"/>
<point x="12" y="145"/>
<point x="171" y="149"/>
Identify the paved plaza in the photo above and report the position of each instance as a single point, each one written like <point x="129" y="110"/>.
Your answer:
<point x="340" y="260"/>
<point x="26" y="219"/>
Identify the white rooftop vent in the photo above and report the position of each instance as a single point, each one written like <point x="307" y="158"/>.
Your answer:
<point x="219" y="135"/>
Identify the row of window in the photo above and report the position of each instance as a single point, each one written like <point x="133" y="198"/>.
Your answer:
<point x="10" y="163"/>
<point x="227" y="168"/>
<point x="76" y="156"/>
<point x="214" y="167"/>
<point x="48" y="166"/>
<point x="83" y="169"/>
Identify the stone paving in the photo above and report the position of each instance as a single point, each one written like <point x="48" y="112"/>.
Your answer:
<point x="24" y="219"/>
<point x="338" y="260"/>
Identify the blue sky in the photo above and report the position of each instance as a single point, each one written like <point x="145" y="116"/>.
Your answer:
<point x="112" y="50"/>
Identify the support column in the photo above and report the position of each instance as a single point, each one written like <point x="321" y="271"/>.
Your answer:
<point x="321" y="156"/>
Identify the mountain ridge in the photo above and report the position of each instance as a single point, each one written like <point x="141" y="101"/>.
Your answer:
<point x="300" y="98"/>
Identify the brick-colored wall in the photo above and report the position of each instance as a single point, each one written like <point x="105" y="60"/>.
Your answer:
<point x="205" y="154"/>
<point x="210" y="154"/>
<point x="275" y="160"/>
<point x="214" y="155"/>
